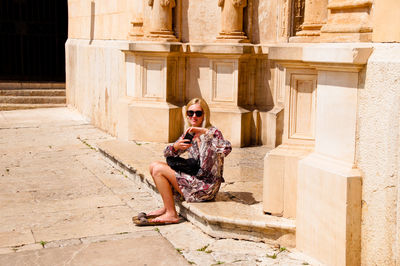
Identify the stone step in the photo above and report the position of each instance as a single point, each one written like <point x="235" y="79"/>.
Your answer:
<point x="236" y="212"/>
<point x="9" y="106"/>
<point x="32" y="85"/>
<point x="33" y="99"/>
<point x="32" y="92"/>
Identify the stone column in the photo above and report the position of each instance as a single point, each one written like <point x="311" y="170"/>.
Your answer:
<point x="160" y="27"/>
<point x="315" y="16"/>
<point x="232" y="21"/>
<point x="348" y="21"/>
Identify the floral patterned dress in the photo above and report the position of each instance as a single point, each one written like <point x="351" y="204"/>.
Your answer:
<point x="205" y="184"/>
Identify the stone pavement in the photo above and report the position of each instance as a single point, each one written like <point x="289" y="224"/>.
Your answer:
<point x="62" y="202"/>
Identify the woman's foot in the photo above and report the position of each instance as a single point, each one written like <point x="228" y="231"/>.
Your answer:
<point x="158" y="212"/>
<point x="167" y="218"/>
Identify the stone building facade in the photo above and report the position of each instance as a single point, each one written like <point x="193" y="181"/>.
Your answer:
<point x="317" y="81"/>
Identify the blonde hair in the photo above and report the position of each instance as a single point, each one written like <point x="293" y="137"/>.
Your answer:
<point x="206" y="112"/>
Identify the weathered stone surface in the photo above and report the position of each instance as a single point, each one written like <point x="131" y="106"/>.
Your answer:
<point x="84" y="222"/>
<point x="16" y="238"/>
<point x="146" y="250"/>
<point x="69" y="201"/>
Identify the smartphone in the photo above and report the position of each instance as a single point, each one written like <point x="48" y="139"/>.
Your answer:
<point x="189" y="137"/>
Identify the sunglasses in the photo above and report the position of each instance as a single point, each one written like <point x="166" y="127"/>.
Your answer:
<point x="191" y="113"/>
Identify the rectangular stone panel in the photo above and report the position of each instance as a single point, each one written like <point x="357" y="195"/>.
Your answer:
<point x="302" y="106"/>
<point x="153" y="77"/>
<point x="224" y="80"/>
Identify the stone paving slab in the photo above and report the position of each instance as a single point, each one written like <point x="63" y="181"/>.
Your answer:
<point x="144" y="249"/>
<point x="68" y="199"/>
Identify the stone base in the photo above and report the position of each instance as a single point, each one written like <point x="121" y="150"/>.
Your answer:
<point x="232" y="37"/>
<point x="155" y="121"/>
<point x="332" y="37"/>
<point x="162" y="36"/>
<point x="280" y="179"/>
<point x="136" y="30"/>
<point x="329" y="210"/>
<point x="304" y="39"/>
<point x="234" y="123"/>
<point x="345" y="37"/>
<point x="274" y="127"/>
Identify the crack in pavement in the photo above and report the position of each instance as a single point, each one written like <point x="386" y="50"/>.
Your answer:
<point x="84" y="246"/>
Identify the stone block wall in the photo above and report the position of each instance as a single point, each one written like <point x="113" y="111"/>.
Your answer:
<point x="378" y="153"/>
<point x="99" y="19"/>
<point x="95" y="79"/>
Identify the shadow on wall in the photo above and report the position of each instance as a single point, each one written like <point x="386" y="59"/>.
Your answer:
<point x="92" y="20"/>
<point x="250" y="21"/>
<point x="184" y="22"/>
<point x="255" y="33"/>
<point x="196" y="74"/>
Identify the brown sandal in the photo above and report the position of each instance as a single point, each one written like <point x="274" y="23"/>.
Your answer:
<point x="143" y="221"/>
<point x="136" y="219"/>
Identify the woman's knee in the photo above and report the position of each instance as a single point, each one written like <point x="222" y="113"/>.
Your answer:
<point x="157" y="168"/>
<point x="151" y="167"/>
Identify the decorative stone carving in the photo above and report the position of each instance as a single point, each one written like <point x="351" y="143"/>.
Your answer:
<point x="315" y="16"/>
<point x="232" y="21"/>
<point x="348" y="21"/>
<point x="160" y="27"/>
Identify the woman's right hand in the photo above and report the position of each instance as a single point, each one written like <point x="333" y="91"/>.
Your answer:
<point x="181" y="144"/>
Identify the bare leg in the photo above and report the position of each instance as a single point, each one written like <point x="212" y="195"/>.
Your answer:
<point x="160" y="211"/>
<point x="164" y="178"/>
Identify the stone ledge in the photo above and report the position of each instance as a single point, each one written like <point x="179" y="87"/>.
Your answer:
<point x="226" y="217"/>
<point x="152" y="47"/>
<point x="332" y="53"/>
<point x="220" y="48"/>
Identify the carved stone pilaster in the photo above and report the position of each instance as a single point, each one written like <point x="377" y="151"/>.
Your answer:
<point x="232" y="21"/>
<point x="160" y="27"/>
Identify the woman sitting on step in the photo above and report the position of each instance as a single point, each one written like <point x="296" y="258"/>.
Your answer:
<point x="207" y="147"/>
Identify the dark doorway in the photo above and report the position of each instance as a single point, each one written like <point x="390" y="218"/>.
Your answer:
<point x="32" y="40"/>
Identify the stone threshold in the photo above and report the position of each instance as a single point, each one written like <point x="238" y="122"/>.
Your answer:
<point x="237" y="210"/>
